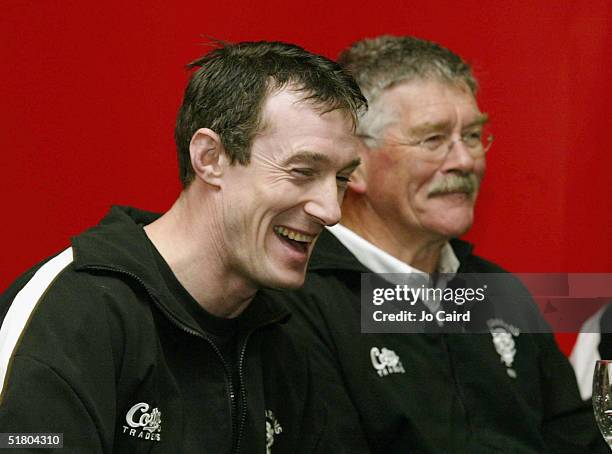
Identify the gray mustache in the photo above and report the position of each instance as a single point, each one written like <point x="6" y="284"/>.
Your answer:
<point x="455" y="183"/>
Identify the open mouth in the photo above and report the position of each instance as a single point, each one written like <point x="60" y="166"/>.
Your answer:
<point x="298" y="241"/>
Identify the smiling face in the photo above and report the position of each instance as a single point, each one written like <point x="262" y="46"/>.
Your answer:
<point x="415" y="195"/>
<point x="275" y="207"/>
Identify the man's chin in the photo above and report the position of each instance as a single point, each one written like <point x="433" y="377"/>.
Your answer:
<point x="451" y="228"/>
<point x="289" y="280"/>
<point x="453" y="233"/>
<point x="450" y="220"/>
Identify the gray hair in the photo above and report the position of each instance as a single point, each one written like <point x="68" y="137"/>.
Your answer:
<point x="379" y="63"/>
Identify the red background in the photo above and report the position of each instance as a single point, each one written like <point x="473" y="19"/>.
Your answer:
<point x="89" y="91"/>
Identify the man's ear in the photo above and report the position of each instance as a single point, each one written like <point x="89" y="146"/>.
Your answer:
<point x="208" y="158"/>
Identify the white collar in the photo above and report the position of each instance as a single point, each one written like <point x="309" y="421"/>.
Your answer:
<point x="380" y="261"/>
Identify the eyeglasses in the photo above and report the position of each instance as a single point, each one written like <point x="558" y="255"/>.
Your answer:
<point x="436" y="146"/>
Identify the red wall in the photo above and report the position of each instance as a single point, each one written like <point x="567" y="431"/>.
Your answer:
<point x="89" y="90"/>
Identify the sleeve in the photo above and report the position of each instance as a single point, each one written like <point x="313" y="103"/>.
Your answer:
<point x="57" y="368"/>
<point x="569" y="424"/>
<point x="38" y="400"/>
<point x="323" y="416"/>
<point x="328" y="384"/>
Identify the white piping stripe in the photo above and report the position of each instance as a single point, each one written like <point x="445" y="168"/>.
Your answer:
<point x="586" y="353"/>
<point x="24" y="304"/>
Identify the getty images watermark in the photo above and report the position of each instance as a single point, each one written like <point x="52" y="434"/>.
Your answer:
<point x="476" y="302"/>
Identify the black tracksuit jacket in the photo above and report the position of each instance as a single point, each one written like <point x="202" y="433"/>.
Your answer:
<point x="112" y="360"/>
<point x="450" y="393"/>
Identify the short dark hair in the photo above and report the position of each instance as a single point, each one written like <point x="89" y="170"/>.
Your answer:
<point x="227" y="91"/>
<point x="380" y="62"/>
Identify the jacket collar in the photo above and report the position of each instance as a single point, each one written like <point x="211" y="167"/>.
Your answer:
<point x="330" y="253"/>
<point x="118" y="245"/>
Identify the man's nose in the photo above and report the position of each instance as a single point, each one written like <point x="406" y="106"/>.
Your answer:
<point x="324" y="203"/>
<point x="459" y="157"/>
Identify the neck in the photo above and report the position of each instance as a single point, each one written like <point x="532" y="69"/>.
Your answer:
<point x="190" y="240"/>
<point x="416" y="248"/>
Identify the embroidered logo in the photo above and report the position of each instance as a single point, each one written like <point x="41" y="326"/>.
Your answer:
<point x="273" y="428"/>
<point x="143" y="424"/>
<point x="386" y="362"/>
<point x="503" y="339"/>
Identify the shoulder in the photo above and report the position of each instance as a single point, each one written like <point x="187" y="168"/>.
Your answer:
<point x="54" y="309"/>
<point x="482" y="265"/>
<point x="326" y="294"/>
<point x="57" y="286"/>
<point x="496" y="276"/>
<point x="472" y="263"/>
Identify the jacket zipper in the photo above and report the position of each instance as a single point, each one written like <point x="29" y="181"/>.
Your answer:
<point x="243" y="391"/>
<point x="226" y="369"/>
<point x="241" y="383"/>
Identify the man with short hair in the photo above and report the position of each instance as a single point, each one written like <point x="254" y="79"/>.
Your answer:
<point x="150" y="333"/>
<point x="443" y="390"/>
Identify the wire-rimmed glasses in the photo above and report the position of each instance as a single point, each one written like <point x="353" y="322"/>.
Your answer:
<point x="436" y="146"/>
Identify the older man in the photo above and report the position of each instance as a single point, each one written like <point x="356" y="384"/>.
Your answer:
<point x="440" y="391"/>
<point x="149" y="333"/>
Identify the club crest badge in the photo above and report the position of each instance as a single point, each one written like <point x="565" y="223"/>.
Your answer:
<point x="273" y="428"/>
<point x="142" y="423"/>
<point x="386" y="362"/>
<point x="503" y="335"/>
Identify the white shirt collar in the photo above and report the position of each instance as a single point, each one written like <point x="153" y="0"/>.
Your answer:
<point x="380" y="261"/>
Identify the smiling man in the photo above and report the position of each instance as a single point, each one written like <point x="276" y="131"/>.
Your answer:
<point x="150" y="333"/>
<point x="477" y="386"/>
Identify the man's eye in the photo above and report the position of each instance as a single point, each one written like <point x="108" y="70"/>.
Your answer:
<point x="342" y="180"/>
<point x="472" y="138"/>
<point x="303" y="172"/>
<point x="433" y="141"/>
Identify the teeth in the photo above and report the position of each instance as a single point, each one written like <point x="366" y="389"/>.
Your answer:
<point x="293" y="235"/>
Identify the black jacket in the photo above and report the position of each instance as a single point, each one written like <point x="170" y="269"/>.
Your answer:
<point x="113" y="361"/>
<point x="436" y="392"/>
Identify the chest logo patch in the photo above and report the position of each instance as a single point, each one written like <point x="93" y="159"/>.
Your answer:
<point x="273" y="428"/>
<point x="142" y="423"/>
<point x="503" y="335"/>
<point x="386" y="362"/>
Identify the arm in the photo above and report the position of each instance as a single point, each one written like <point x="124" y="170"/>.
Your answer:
<point x="568" y="424"/>
<point x="55" y="361"/>
<point x="37" y="399"/>
<point x="311" y="330"/>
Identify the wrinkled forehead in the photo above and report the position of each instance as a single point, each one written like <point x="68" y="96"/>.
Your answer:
<point x="423" y="102"/>
<point x="292" y="105"/>
<point x="278" y="100"/>
<point x="294" y="127"/>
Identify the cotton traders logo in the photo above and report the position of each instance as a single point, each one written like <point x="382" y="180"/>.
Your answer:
<point x="386" y="362"/>
<point x="141" y="424"/>
<point x="273" y="428"/>
<point x="503" y="335"/>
